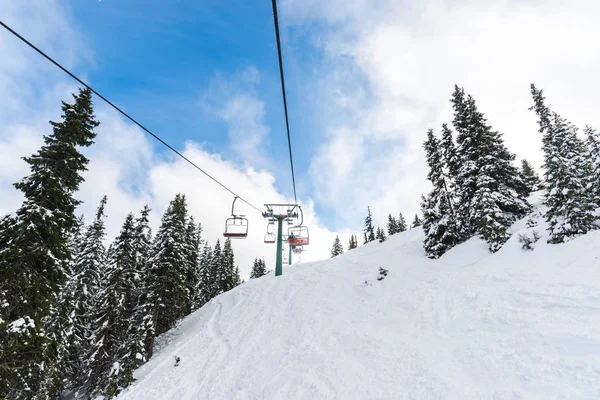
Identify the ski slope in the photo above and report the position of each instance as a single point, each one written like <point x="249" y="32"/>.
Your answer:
<point x="472" y="325"/>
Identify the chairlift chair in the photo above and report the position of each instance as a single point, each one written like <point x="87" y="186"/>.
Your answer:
<point x="297" y="249"/>
<point x="236" y="226"/>
<point x="270" y="236"/>
<point x="298" y="236"/>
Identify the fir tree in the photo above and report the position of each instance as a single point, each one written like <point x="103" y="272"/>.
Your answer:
<point x="416" y="222"/>
<point x="369" y="233"/>
<point x="258" y="268"/>
<point x="439" y="221"/>
<point x="80" y="295"/>
<point x="401" y="223"/>
<point x="168" y="292"/>
<point x="228" y="276"/>
<point x="143" y="321"/>
<point x="392" y="225"/>
<point x="193" y="241"/>
<point x="337" y="247"/>
<point x="530" y="177"/>
<point x="380" y="235"/>
<point x="204" y="290"/>
<point x="593" y="147"/>
<point x="449" y="156"/>
<point x="568" y="173"/>
<point x="353" y="242"/>
<point x="110" y="362"/>
<point x="216" y="271"/>
<point x="35" y="252"/>
<point x="491" y="194"/>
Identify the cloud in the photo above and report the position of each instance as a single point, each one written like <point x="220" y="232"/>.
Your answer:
<point x="233" y="99"/>
<point x="389" y="68"/>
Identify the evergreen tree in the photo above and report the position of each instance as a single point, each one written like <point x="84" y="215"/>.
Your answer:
<point x="392" y="225"/>
<point x="401" y="223"/>
<point x="593" y="147"/>
<point x="110" y="363"/>
<point x="439" y="221"/>
<point x="530" y="177"/>
<point x="80" y="294"/>
<point x="449" y="156"/>
<point x="204" y="290"/>
<point x="168" y="292"/>
<point x="380" y="235"/>
<point x="227" y="265"/>
<point x="35" y="253"/>
<point x="258" y="268"/>
<point x="216" y="271"/>
<point x="369" y="233"/>
<point x="416" y="222"/>
<point x="193" y="241"/>
<point x="337" y="247"/>
<point x="143" y="321"/>
<point x="353" y="242"/>
<point x="491" y="194"/>
<point x="569" y="175"/>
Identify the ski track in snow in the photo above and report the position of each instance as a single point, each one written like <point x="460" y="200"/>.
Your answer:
<point x="513" y="325"/>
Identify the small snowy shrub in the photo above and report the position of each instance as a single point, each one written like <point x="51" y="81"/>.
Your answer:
<point x="528" y="242"/>
<point x="382" y="273"/>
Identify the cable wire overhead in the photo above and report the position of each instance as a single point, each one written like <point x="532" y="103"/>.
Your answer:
<point x="127" y="115"/>
<point x="287" y="124"/>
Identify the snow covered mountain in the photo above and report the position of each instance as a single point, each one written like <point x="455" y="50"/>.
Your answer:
<point x="516" y="324"/>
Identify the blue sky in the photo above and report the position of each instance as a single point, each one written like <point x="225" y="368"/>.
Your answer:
<point x="157" y="59"/>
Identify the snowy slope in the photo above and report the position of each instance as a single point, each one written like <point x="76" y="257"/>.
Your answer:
<point x="512" y="325"/>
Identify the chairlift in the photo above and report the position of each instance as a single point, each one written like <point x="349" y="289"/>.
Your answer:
<point x="297" y="249"/>
<point x="270" y="236"/>
<point x="298" y="235"/>
<point x="236" y="226"/>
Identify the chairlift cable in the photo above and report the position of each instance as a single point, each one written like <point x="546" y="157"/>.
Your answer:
<point x="287" y="124"/>
<point x="127" y="115"/>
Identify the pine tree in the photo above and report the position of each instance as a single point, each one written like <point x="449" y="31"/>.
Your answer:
<point x="491" y="194"/>
<point x="353" y="242"/>
<point x="530" y="177"/>
<point x="593" y="148"/>
<point x="168" y="292"/>
<point x="380" y="235"/>
<point x="35" y="253"/>
<point x="78" y="298"/>
<point x="569" y="175"/>
<point x="258" y="268"/>
<point x="392" y="225"/>
<point x="216" y="271"/>
<point x="143" y="320"/>
<point x="204" y="290"/>
<point x="449" y="156"/>
<point x="416" y="222"/>
<point x="439" y="221"/>
<point x="337" y="247"/>
<point x="228" y="276"/>
<point x="110" y="363"/>
<point x="369" y="232"/>
<point x="401" y="223"/>
<point x="193" y="241"/>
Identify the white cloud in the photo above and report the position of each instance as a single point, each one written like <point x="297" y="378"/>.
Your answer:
<point x="389" y="70"/>
<point x="233" y="100"/>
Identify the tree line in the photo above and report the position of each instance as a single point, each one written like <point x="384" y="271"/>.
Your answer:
<point x="477" y="189"/>
<point x="75" y="315"/>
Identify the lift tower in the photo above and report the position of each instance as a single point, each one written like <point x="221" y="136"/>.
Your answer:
<point x="280" y="213"/>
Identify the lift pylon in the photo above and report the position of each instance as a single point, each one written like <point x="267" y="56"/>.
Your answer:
<point x="280" y="213"/>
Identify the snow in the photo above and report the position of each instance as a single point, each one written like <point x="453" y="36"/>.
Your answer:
<point x="517" y="324"/>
